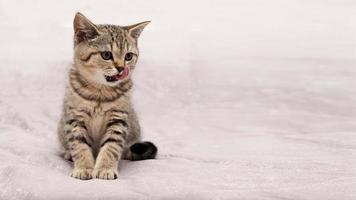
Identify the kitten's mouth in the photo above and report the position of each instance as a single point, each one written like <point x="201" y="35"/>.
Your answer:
<point x="121" y="75"/>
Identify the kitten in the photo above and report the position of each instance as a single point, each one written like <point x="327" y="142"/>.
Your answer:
<point x="99" y="126"/>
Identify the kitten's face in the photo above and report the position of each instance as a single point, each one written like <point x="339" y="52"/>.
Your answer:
<point x="105" y="54"/>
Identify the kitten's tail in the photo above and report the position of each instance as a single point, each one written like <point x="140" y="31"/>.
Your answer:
<point x="142" y="151"/>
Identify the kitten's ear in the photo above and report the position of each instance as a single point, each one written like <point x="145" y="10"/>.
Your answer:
<point x="84" y="29"/>
<point x="136" y="29"/>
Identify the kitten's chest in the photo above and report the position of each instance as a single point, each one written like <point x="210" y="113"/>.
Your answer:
<point x="98" y="119"/>
<point x="97" y="116"/>
<point x="96" y="126"/>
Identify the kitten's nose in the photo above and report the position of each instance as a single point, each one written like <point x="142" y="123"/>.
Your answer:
<point x="120" y="69"/>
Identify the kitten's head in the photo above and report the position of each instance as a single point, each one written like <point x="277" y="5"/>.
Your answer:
<point x="105" y="54"/>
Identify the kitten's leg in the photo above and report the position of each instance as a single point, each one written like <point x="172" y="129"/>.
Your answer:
<point x="111" y="149"/>
<point x="67" y="156"/>
<point x="79" y="149"/>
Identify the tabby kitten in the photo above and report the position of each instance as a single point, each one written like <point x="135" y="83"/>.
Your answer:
<point x="99" y="126"/>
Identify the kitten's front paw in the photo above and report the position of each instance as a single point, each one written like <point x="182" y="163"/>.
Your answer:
<point x="82" y="173"/>
<point x="105" y="173"/>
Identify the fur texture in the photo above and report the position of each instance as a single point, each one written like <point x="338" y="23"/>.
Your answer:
<point x="99" y="126"/>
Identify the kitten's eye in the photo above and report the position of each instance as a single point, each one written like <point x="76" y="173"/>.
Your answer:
<point x="106" y="55"/>
<point x="129" y="56"/>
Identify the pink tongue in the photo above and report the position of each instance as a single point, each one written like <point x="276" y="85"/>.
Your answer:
<point x="124" y="73"/>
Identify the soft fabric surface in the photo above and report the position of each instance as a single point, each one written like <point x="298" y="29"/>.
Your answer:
<point x="244" y="99"/>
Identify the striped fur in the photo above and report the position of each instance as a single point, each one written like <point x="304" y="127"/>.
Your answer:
<point x="99" y="125"/>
